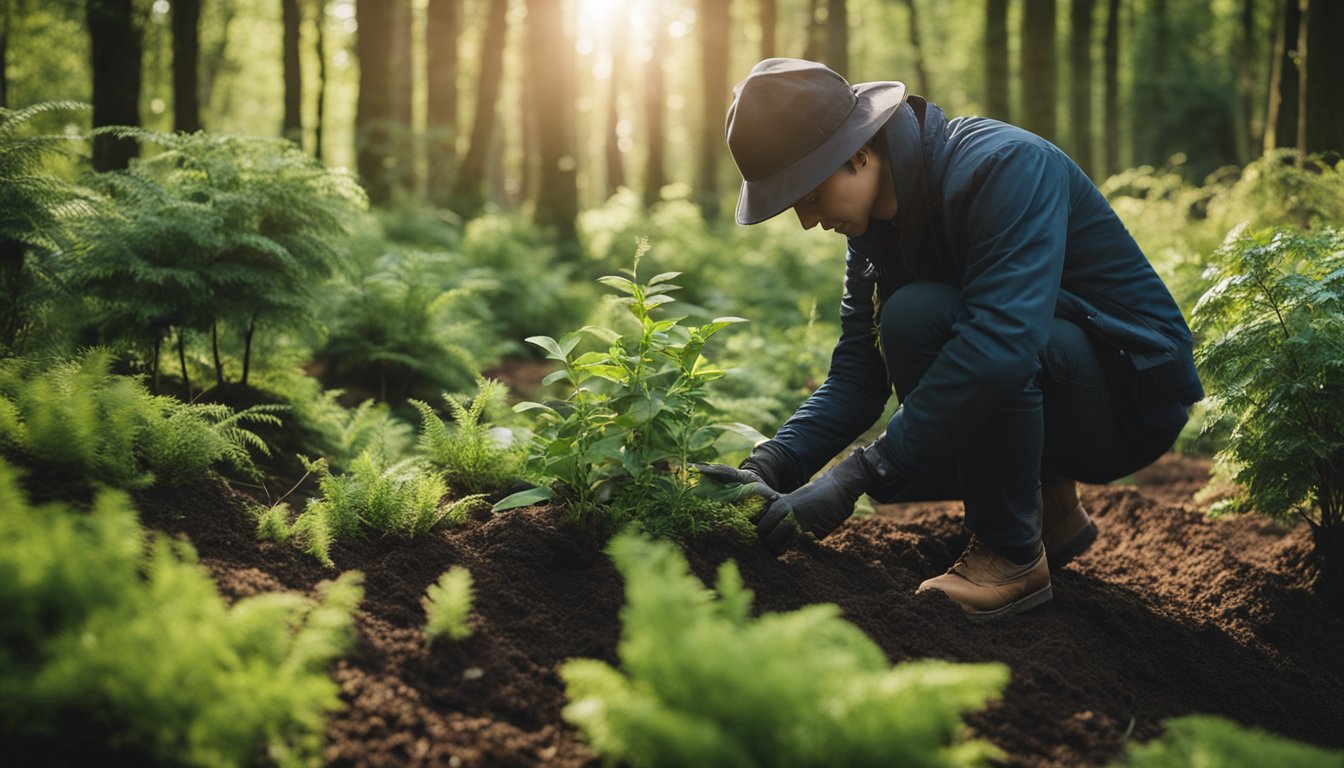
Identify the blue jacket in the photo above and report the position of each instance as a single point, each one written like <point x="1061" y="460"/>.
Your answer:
<point x="1010" y="219"/>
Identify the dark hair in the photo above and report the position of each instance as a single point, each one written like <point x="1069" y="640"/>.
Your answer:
<point x="878" y="143"/>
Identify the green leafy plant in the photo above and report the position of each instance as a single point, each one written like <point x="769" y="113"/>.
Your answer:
<point x="447" y="604"/>
<point x="78" y="418"/>
<point x="1197" y="740"/>
<point x="703" y="683"/>
<point x="136" y="645"/>
<point x="475" y="456"/>
<point x="1274" y="363"/>
<point x="637" y="413"/>
<point x="402" y="498"/>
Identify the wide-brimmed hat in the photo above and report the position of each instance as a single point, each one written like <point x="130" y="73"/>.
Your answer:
<point x="792" y="124"/>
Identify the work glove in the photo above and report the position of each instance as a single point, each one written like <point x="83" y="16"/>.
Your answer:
<point x="823" y="504"/>
<point x="736" y="483"/>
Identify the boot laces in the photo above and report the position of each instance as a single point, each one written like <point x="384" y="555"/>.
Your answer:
<point x="971" y="547"/>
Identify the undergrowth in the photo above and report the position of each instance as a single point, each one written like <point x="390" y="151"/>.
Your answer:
<point x="447" y="605"/>
<point x="475" y="456"/>
<point x="1202" y="740"/>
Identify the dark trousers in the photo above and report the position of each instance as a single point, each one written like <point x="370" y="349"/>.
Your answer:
<point x="1076" y="419"/>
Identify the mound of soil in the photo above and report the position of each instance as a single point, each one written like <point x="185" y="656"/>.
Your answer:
<point x="1169" y="613"/>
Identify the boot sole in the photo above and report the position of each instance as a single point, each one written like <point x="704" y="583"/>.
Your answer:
<point x="1021" y="604"/>
<point x="1073" y="547"/>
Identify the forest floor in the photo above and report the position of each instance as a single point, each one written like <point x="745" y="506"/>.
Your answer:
<point x="1169" y="613"/>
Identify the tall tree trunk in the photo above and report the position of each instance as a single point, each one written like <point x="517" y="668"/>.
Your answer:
<point x="557" y="192"/>
<point x="1112" y="87"/>
<point x="154" y="362"/>
<point x="1304" y="82"/>
<point x="182" y="360"/>
<point x="812" y="48"/>
<point x="996" y="60"/>
<point x="1246" y="127"/>
<point x="116" y="58"/>
<point x="373" y="110"/>
<point x="1037" y="71"/>
<point x="320" y="112"/>
<point x="469" y="185"/>
<point x="615" y="155"/>
<point x="1325" y="92"/>
<point x="442" y="29"/>
<point x="837" y="36"/>
<point x="5" y="16"/>
<point x="1281" y="115"/>
<point x="404" y="152"/>
<point x="292" y="18"/>
<point x="715" y="25"/>
<point x="769" y="28"/>
<point x="916" y="44"/>
<point x="12" y="320"/>
<point x="527" y="109"/>
<point x="214" y="349"/>
<point x="247" y="347"/>
<point x="1080" y="83"/>
<point x="654" y="174"/>
<point x="214" y="57"/>
<point x="186" y="58"/>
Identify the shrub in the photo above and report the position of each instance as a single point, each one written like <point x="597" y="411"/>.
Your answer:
<point x="1199" y="740"/>
<point x="475" y="456"/>
<point x="703" y="683"/>
<point x="136" y="645"/>
<point x="1274" y="363"/>
<point x="447" y="604"/>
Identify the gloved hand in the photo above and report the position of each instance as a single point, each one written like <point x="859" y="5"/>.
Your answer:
<point x="737" y="484"/>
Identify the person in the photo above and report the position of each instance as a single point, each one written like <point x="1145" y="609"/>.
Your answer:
<point x="988" y="283"/>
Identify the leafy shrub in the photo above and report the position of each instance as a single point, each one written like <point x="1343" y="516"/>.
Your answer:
<point x="447" y="604"/>
<point x="78" y="418"/>
<point x="1198" y="740"/>
<point x="1274" y="363"/>
<point x="637" y="413"/>
<point x="399" y="498"/>
<point x="475" y="457"/>
<point x="703" y="683"/>
<point x="137" y="646"/>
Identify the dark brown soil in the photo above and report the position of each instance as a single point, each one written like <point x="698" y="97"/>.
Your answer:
<point x="1168" y="614"/>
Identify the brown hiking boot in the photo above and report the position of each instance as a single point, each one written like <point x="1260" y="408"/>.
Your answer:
<point x="988" y="585"/>
<point x="1066" y="529"/>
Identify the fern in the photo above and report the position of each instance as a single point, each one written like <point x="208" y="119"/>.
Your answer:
<point x="473" y="456"/>
<point x="447" y="604"/>
<point x="1197" y="740"/>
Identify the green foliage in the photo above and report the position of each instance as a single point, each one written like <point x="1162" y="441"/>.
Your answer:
<point x="78" y="418"/>
<point x="401" y="498"/>
<point x="447" y="604"/>
<point x="637" y="413"/>
<point x="475" y="456"/>
<point x="1201" y="740"/>
<point x="703" y="683"/>
<point x="1273" y="360"/>
<point x="136" y="645"/>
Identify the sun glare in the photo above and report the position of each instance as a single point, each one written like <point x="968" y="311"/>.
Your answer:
<point x="600" y="21"/>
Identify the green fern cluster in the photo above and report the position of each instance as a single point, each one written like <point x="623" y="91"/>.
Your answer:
<point x="473" y="455"/>
<point x="1202" y="740"/>
<point x="703" y="683"/>
<point x="447" y="604"/>
<point x="78" y="418"/>
<point x="137" y="646"/>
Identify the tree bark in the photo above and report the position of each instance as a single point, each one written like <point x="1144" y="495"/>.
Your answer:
<point x="373" y="110"/>
<point x="182" y="360"/>
<point x="837" y="36"/>
<point x="1281" y="115"/>
<point x="557" y="205"/>
<point x="715" y="47"/>
<point x="12" y="320"/>
<point x="654" y="174"/>
<point x="1112" y="87"/>
<point x="154" y="364"/>
<point x="186" y="58"/>
<point x="469" y="186"/>
<point x="917" y="46"/>
<point x="1325" y="75"/>
<point x="116" y="61"/>
<point x="292" y="20"/>
<point x="320" y="112"/>
<point x="1303" y="80"/>
<point x="996" y="60"/>
<point x="769" y="28"/>
<point x="247" y="347"/>
<point x="214" y="348"/>
<point x="407" y="175"/>
<point x="1246" y="129"/>
<point x="442" y="30"/>
<point x="1038" y="68"/>
<point x="1080" y="83"/>
<point x="615" y="156"/>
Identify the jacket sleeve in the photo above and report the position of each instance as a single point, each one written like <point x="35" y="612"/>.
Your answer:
<point x="855" y="391"/>
<point x="1011" y="211"/>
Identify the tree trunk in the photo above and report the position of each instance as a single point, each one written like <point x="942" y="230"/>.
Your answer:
<point x="1112" y="87"/>
<point x="182" y="360"/>
<point x="1246" y="129"/>
<point x="715" y="47"/>
<point x="469" y="186"/>
<point x="812" y="49"/>
<point x="769" y="27"/>
<point x="1303" y="82"/>
<point x="214" y="57"/>
<point x="615" y="154"/>
<point x="996" y="60"/>
<point x="1281" y="115"/>
<point x="1325" y="94"/>
<point x="154" y="362"/>
<point x="917" y="46"/>
<point x="1038" y="68"/>
<point x="654" y="174"/>
<point x="442" y="30"/>
<point x="247" y="347"/>
<point x="12" y="254"/>
<point x="214" y="348"/>
<point x="186" y="58"/>
<point x="527" y="109"/>
<point x="320" y="113"/>
<point x="116" y="60"/>
<point x="407" y="173"/>
<point x="1080" y="83"/>
<point x="837" y="36"/>
<point x="5" y="16"/>
<point x="557" y="192"/>
<point x="292" y="18"/>
<point x="373" y="110"/>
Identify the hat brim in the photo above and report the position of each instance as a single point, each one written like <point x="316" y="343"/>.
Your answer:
<point x="768" y="197"/>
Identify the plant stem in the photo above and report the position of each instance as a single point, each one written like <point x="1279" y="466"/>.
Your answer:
<point x="247" y="347"/>
<point x="214" y="345"/>
<point x="182" y="359"/>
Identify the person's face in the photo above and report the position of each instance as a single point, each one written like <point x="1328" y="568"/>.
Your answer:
<point x="844" y="202"/>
